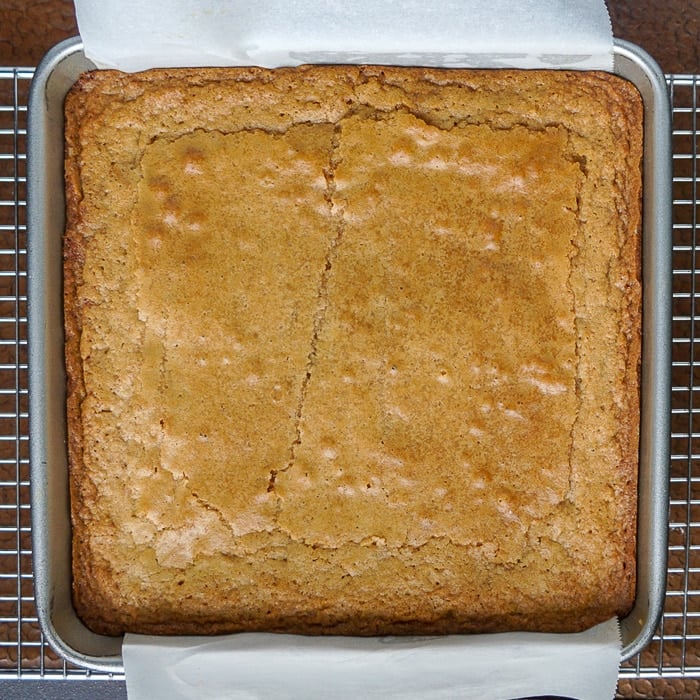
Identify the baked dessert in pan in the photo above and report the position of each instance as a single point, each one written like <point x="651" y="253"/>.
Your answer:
<point x="352" y="349"/>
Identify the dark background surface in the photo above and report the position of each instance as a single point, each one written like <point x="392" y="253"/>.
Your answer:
<point x="668" y="29"/>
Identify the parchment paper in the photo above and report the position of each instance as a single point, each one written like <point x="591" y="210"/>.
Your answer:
<point x="136" y="34"/>
<point x="285" y="667"/>
<point x="133" y="35"/>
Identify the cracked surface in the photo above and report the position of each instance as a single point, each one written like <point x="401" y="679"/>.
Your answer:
<point x="352" y="350"/>
<point x="334" y="230"/>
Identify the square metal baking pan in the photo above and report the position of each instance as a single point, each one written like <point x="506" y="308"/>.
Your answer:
<point x="51" y="527"/>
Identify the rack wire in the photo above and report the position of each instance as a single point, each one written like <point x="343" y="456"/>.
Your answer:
<point x="675" y="650"/>
<point x="23" y="651"/>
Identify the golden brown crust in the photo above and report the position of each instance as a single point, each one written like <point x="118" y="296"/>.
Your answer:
<point x="330" y="370"/>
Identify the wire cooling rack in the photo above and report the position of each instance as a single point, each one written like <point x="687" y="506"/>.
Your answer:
<point x="675" y="650"/>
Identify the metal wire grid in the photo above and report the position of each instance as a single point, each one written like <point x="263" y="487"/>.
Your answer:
<point x="18" y="628"/>
<point x="675" y="650"/>
<point x="23" y="652"/>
